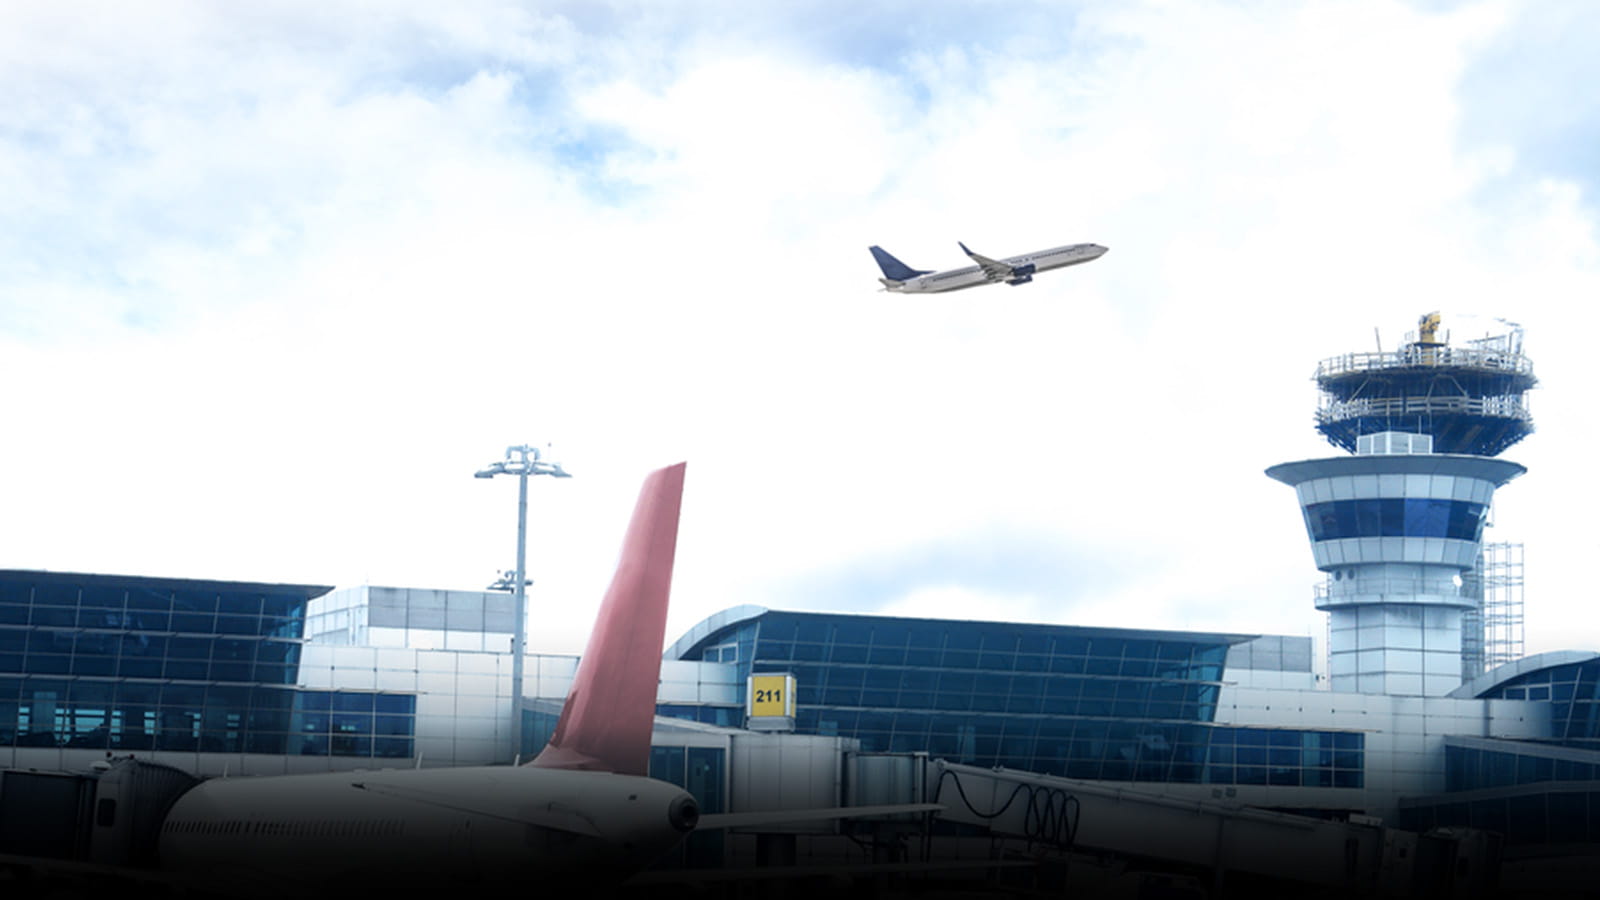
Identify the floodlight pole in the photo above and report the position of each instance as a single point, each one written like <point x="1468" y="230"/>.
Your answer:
<point x="519" y="634"/>
<point x="520" y="461"/>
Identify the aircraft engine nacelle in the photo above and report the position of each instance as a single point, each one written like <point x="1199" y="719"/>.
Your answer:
<point x="1022" y="274"/>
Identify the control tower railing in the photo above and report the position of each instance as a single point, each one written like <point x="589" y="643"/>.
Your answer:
<point x="1413" y="355"/>
<point x="1502" y="407"/>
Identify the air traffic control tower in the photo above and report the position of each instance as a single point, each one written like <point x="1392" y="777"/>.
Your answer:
<point x="1397" y="525"/>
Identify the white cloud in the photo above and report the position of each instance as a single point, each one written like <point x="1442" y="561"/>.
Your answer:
<point x="294" y="290"/>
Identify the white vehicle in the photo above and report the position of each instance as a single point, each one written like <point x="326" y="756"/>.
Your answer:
<point x="1013" y="270"/>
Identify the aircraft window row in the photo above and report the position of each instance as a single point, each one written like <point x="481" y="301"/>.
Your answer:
<point x="313" y="829"/>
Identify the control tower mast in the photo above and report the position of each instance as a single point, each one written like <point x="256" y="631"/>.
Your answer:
<point x="1398" y="525"/>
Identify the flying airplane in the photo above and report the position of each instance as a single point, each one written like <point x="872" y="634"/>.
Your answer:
<point x="1013" y="270"/>
<point x="583" y="809"/>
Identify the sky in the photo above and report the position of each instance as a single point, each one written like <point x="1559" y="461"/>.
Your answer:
<point x="276" y="279"/>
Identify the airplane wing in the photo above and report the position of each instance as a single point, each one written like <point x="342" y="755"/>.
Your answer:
<point x="993" y="269"/>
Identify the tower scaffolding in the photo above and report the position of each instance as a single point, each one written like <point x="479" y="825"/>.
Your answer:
<point x="1501" y="565"/>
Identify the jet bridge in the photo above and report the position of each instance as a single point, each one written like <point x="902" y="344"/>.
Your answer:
<point x="1233" y="849"/>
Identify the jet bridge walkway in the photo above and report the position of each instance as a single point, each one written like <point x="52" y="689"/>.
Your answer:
<point x="1226" y="846"/>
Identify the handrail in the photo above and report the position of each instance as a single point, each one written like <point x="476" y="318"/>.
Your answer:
<point x="1510" y="406"/>
<point x="1414" y="355"/>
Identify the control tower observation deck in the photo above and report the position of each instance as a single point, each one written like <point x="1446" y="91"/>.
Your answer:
<point x="1396" y="526"/>
<point x="1469" y="399"/>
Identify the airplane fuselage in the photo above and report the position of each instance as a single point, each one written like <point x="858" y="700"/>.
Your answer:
<point x="497" y="824"/>
<point x="971" y="276"/>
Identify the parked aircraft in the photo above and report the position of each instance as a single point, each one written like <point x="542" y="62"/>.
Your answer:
<point x="1013" y="270"/>
<point x="583" y="813"/>
<point x="582" y="810"/>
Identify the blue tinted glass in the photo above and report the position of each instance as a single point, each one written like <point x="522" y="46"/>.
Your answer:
<point x="849" y="653"/>
<point x="1394" y="517"/>
<point x="352" y="702"/>
<point x="203" y="601"/>
<point x="102" y="598"/>
<point x="395" y="703"/>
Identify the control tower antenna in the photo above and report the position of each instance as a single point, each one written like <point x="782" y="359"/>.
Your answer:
<point x="1469" y="399"/>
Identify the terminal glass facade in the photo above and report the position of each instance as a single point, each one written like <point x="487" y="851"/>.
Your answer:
<point x="1502" y="763"/>
<point x="1086" y="703"/>
<point x="123" y="663"/>
<point x="1574" y="694"/>
<point x="1530" y="792"/>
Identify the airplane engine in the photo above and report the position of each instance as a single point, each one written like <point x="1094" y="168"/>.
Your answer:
<point x="1022" y="274"/>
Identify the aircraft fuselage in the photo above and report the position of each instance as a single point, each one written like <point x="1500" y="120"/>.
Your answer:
<point x="496" y="824"/>
<point x="1025" y="265"/>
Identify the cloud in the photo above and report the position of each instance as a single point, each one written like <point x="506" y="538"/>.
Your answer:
<point x="279" y="281"/>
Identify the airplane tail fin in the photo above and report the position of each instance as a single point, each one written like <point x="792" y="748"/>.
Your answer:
<point x="894" y="269"/>
<point x="606" y="722"/>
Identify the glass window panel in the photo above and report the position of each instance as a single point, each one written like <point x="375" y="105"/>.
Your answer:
<point x="1100" y="665"/>
<point x="58" y="595"/>
<point x="962" y="638"/>
<point x="145" y="598"/>
<point x="49" y="663"/>
<point x="242" y="625"/>
<point x="849" y="654"/>
<point x="93" y="664"/>
<point x="55" y="616"/>
<point x="395" y="703"/>
<point x="1068" y="665"/>
<point x="1138" y="667"/>
<point x="100" y="597"/>
<point x="194" y="622"/>
<point x="1071" y="645"/>
<point x="960" y="659"/>
<point x="149" y="619"/>
<point x="804" y="652"/>
<point x="200" y="601"/>
<point x="352" y="702"/>
<point x="881" y="655"/>
<point x="189" y="648"/>
<point x="986" y="683"/>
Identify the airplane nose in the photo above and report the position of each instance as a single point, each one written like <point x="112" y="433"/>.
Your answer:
<point x="684" y="813"/>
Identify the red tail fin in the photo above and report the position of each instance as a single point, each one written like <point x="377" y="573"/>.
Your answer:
<point x="605" y="724"/>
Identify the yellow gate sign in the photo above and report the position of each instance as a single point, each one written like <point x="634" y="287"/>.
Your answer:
<point x="770" y="699"/>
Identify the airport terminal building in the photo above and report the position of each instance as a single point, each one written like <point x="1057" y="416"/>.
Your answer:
<point x="238" y="678"/>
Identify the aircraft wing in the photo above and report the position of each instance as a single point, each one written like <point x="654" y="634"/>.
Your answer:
<point x="993" y="269"/>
